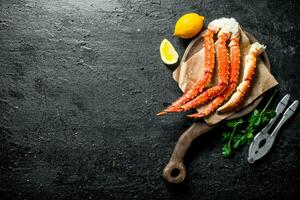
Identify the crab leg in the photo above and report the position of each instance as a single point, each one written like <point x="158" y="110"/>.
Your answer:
<point x="223" y="75"/>
<point x="233" y="78"/>
<point x="249" y="71"/>
<point x="201" y="83"/>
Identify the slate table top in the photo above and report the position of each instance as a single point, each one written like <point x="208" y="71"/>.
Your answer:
<point x="81" y="82"/>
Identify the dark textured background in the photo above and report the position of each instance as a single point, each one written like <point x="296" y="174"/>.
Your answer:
<point x="81" y="81"/>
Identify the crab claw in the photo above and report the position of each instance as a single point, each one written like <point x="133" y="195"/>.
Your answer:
<point x="170" y="109"/>
<point x="249" y="71"/>
<point x="197" y="115"/>
<point x="161" y="113"/>
<point x="223" y="75"/>
<point x="200" y="84"/>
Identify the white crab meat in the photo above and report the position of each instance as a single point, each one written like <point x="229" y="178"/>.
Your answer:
<point x="225" y="25"/>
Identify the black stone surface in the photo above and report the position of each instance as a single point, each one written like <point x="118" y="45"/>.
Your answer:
<point x="81" y="81"/>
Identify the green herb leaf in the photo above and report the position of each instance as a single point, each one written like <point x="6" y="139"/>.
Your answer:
<point x="240" y="142"/>
<point x="239" y="136"/>
<point x="267" y="116"/>
<point x="234" y="123"/>
<point x="226" y="136"/>
<point x="250" y="136"/>
<point x="255" y="118"/>
<point x="236" y="138"/>
<point x="243" y="140"/>
<point x="236" y="144"/>
<point x="226" y="150"/>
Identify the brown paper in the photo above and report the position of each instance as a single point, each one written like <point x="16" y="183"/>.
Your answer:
<point x="192" y="69"/>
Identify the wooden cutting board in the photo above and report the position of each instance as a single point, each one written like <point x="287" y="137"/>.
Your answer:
<point x="175" y="171"/>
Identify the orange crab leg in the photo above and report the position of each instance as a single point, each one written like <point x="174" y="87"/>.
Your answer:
<point x="233" y="79"/>
<point x="249" y="71"/>
<point x="209" y="59"/>
<point x="223" y="75"/>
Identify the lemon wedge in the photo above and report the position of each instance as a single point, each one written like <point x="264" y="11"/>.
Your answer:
<point x="168" y="53"/>
<point x="188" y="25"/>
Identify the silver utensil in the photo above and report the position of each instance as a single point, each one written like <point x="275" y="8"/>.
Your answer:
<point x="263" y="141"/>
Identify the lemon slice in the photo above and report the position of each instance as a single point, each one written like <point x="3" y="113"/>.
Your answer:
<point x="168" y="53"/>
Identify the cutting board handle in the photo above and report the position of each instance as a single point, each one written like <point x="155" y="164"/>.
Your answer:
<point x="174" y="171"/>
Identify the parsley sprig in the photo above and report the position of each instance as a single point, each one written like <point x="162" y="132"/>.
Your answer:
<point x="243" y="130"/>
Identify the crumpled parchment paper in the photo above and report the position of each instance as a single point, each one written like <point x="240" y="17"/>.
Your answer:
<point x="192" y="69"/>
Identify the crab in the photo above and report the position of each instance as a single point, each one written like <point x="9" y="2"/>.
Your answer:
<point x="228" y="72"/>
<point x="238" y="96"/>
